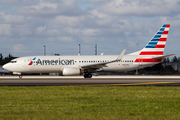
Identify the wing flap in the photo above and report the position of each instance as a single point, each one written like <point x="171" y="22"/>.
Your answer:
<point x="94" y="66"/>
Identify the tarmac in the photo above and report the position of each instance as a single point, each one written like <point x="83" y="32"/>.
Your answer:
<point x="94" y="81"/>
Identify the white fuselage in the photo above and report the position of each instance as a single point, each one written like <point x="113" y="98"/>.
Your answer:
<point x="56" y="64"/>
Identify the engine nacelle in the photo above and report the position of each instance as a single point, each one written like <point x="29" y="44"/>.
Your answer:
<point x="71" y="71"/>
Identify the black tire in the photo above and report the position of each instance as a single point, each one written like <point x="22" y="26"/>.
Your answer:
<point x="87" y="75"/>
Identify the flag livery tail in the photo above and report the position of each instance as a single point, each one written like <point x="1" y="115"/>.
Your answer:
<point x="155" y="46"/>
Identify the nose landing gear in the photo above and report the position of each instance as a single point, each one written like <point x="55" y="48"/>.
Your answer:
<point x="20" y="76"/>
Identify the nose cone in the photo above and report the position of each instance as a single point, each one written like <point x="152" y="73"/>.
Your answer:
<point x="6" y="67"/>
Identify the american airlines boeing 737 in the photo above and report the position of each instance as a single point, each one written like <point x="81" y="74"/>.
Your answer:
<point x="150" y="55"/>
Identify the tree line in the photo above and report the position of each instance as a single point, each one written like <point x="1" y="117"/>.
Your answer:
<point x="174" y="59"/>
<point x="6" y="59"/>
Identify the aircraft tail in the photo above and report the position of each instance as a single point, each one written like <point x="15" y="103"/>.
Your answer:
<point x="157" y="44"/>
<point x="155" y="47"/>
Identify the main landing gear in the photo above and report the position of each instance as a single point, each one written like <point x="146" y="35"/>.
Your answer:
<point x="87" y="75"/>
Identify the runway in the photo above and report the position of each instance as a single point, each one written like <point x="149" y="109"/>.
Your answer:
<point x="94" y="81"/>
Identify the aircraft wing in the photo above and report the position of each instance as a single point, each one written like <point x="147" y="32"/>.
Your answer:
<point x="164" y="56"/>
<point x="102" y="64"/>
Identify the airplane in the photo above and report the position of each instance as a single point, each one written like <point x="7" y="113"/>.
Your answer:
<point x="150" y="55"/>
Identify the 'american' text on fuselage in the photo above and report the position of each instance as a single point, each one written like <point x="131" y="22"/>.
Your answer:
<point x="55" y="62"/>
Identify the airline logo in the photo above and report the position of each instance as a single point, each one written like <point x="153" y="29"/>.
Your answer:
<point x="55" y="62"/>
<point x="32" y="61"/>
<point x="52" y="62"/>
<point x="155" y="46"/>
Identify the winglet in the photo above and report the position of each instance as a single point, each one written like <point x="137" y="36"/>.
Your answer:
<point x="121" y="55"/>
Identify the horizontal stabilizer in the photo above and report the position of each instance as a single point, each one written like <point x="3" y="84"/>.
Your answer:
<point x="164" y="56"/>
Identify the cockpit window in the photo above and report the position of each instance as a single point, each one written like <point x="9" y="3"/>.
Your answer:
<point x="13" y="61"/>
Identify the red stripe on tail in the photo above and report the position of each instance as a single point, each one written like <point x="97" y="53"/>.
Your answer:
<point x="168" y="26"/>
<point x="160" y="46"/>
<point x="162" y="39"/>
<point x="151" y="53"/>
<point x="165" y="32"/>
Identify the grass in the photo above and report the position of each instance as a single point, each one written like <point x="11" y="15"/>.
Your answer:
<point x="79" y="103"/>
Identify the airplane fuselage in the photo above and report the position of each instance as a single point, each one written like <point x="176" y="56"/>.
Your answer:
<point x="50" y="64"/>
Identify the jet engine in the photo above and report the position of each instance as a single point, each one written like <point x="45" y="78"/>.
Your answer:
<point x="71" y="71"/>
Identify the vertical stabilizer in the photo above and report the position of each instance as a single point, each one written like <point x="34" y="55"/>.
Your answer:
<point x="155" y="46"/>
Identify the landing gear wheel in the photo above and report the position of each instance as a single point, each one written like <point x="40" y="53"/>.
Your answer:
<point x="87" y="75"/>
<point x="20" y="76"/>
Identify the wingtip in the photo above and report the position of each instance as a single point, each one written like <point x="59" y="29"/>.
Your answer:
<point x="124" y="50"/>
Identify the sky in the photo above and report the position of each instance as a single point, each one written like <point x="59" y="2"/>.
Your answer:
<point x="114" y="25"/>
